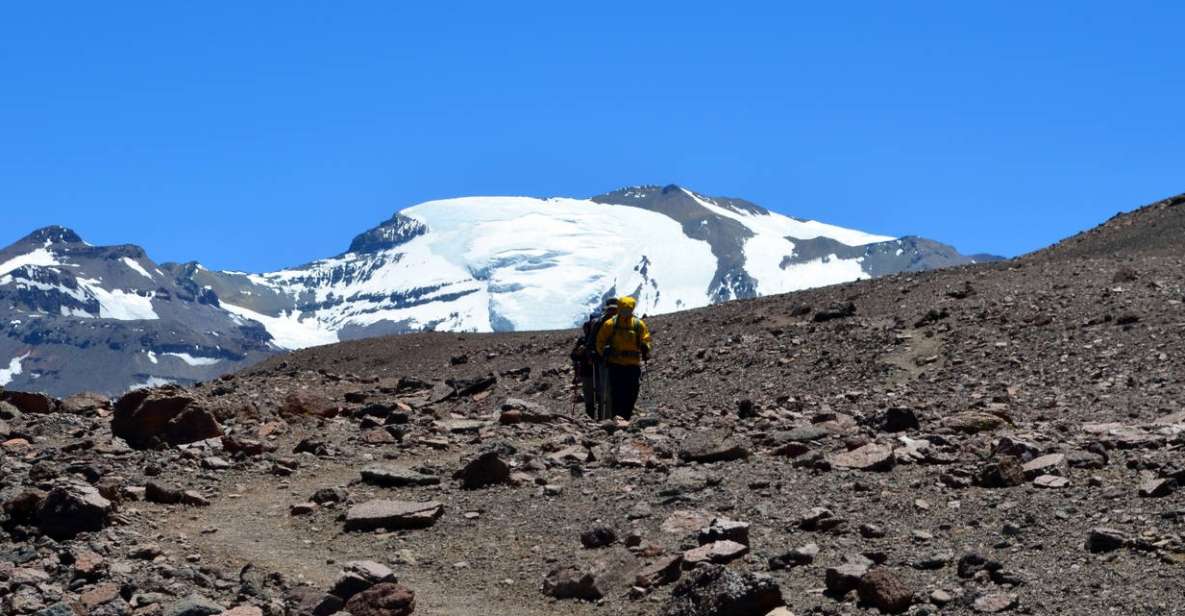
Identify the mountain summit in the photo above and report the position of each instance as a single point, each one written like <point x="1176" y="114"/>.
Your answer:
<point x="78" y="316"/>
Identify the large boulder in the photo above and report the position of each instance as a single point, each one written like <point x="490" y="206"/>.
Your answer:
<point x="393" y="515"/>
<point x="147" y="417"/>
<point x="72" y="508"/>
<point x="29" y="402"/>
<point x="713" y="590"/>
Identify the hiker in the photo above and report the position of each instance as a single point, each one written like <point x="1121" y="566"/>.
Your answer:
<point x="623" y="343"/>
<point x="588" y="369"/>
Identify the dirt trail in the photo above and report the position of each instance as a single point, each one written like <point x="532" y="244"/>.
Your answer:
<point x="451" y="568"/>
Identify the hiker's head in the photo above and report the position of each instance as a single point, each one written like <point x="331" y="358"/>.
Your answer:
<point x="611" y="305"/>
<point x="626" y="305"/>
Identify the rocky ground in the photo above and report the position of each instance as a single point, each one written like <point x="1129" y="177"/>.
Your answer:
<point x="997" y="438"/>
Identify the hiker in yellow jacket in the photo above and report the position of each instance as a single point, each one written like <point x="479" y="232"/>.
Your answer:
<point x="623" y="343"/>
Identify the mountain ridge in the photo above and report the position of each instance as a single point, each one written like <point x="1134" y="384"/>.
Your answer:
<point x="107" y="318"/>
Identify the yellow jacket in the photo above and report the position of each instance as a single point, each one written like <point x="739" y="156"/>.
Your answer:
<point x="627" y="341"/>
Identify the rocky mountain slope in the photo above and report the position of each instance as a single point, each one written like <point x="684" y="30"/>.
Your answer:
<point x="997" y="438"/>
<point x="78" y="317"/>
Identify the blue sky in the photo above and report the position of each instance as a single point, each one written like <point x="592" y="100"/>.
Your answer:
<point x="256" y="135"/>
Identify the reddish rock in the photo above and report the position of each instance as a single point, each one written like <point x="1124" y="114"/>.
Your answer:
<point x="383" y="600"/>
<point x="88" y="564"/>
<point x="886" y="591"/>
<point x="244" y="446"/>
<point x="147" y="416"/>
<point x="243" y="610"/>
<point x="719" y="552"/>
<point x="659" y="573"/>
<point x="684" y="522"/>
<point x="309" y="403"/>
<point x="98" y="595"/>
<point x="393" y="515"/>
<point x="634" y="454"/>
<point x="86" y="402"/>
<point x="29" y="402"/>
<point x="72" y="509"/>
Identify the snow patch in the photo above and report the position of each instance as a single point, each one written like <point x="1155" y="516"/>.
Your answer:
<point x="773" y="240"/>
<point x="41" y="256"/>
<point x="194" y="360"/>
<point x="819" y="272"/>
<point x="119" y="304"/>
<point x="288" y="330"/>
<point x="13" y="369"/>
<point x="136" y="267"/>
<point x="784" y="226"/>
<point x="152" y="357"/>
<point x="152" y="381"/>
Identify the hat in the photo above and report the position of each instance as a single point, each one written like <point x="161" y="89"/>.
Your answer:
<point x="612" y="301"/>
<point x="627" y="303"/>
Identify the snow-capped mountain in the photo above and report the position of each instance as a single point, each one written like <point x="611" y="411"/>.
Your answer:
<point x="108" y="318"/>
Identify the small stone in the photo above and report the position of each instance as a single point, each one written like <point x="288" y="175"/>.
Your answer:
<point x="598" y="538"/>
<point x="994" y="603"/>
<point x="1105" y="540"/>
<point x="846" y="577"/>
<point x="886" y="591"/>
<point x="396" y="477"/>
<point x="1044" y="465"/>
<point x="718" y="552"/>
<point x="972" y="422"/>
<point x="871" y="531"/>
<point x="485" y="470"/>
<point x="302" y="509"/>
<point x="1157" y="488"/>
<point x="194" y="605"/>
<point x="659" y="573"/>
<point x="941" y="598"/>
<point x="571" y="583"/>
<point x="796" y="557"/>
<point x="215" y="463"/>
<point x="723" y="528"/>
<point x="1051" y="482"/>
<point x="386" y="599"/>
<point x="709" y="447"/>
<point x="870" y="457"/>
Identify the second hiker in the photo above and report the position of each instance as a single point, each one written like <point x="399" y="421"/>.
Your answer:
<point x="623" y="342"/>
<point x="590" y="371"/>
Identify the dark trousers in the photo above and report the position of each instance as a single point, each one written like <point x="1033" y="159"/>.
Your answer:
<point x="624" y="383"/>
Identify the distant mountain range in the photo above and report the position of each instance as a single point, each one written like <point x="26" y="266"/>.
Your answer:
<point x="77" y="317"/>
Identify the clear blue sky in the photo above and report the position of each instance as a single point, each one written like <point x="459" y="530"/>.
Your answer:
<point x="254" y="135"/>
